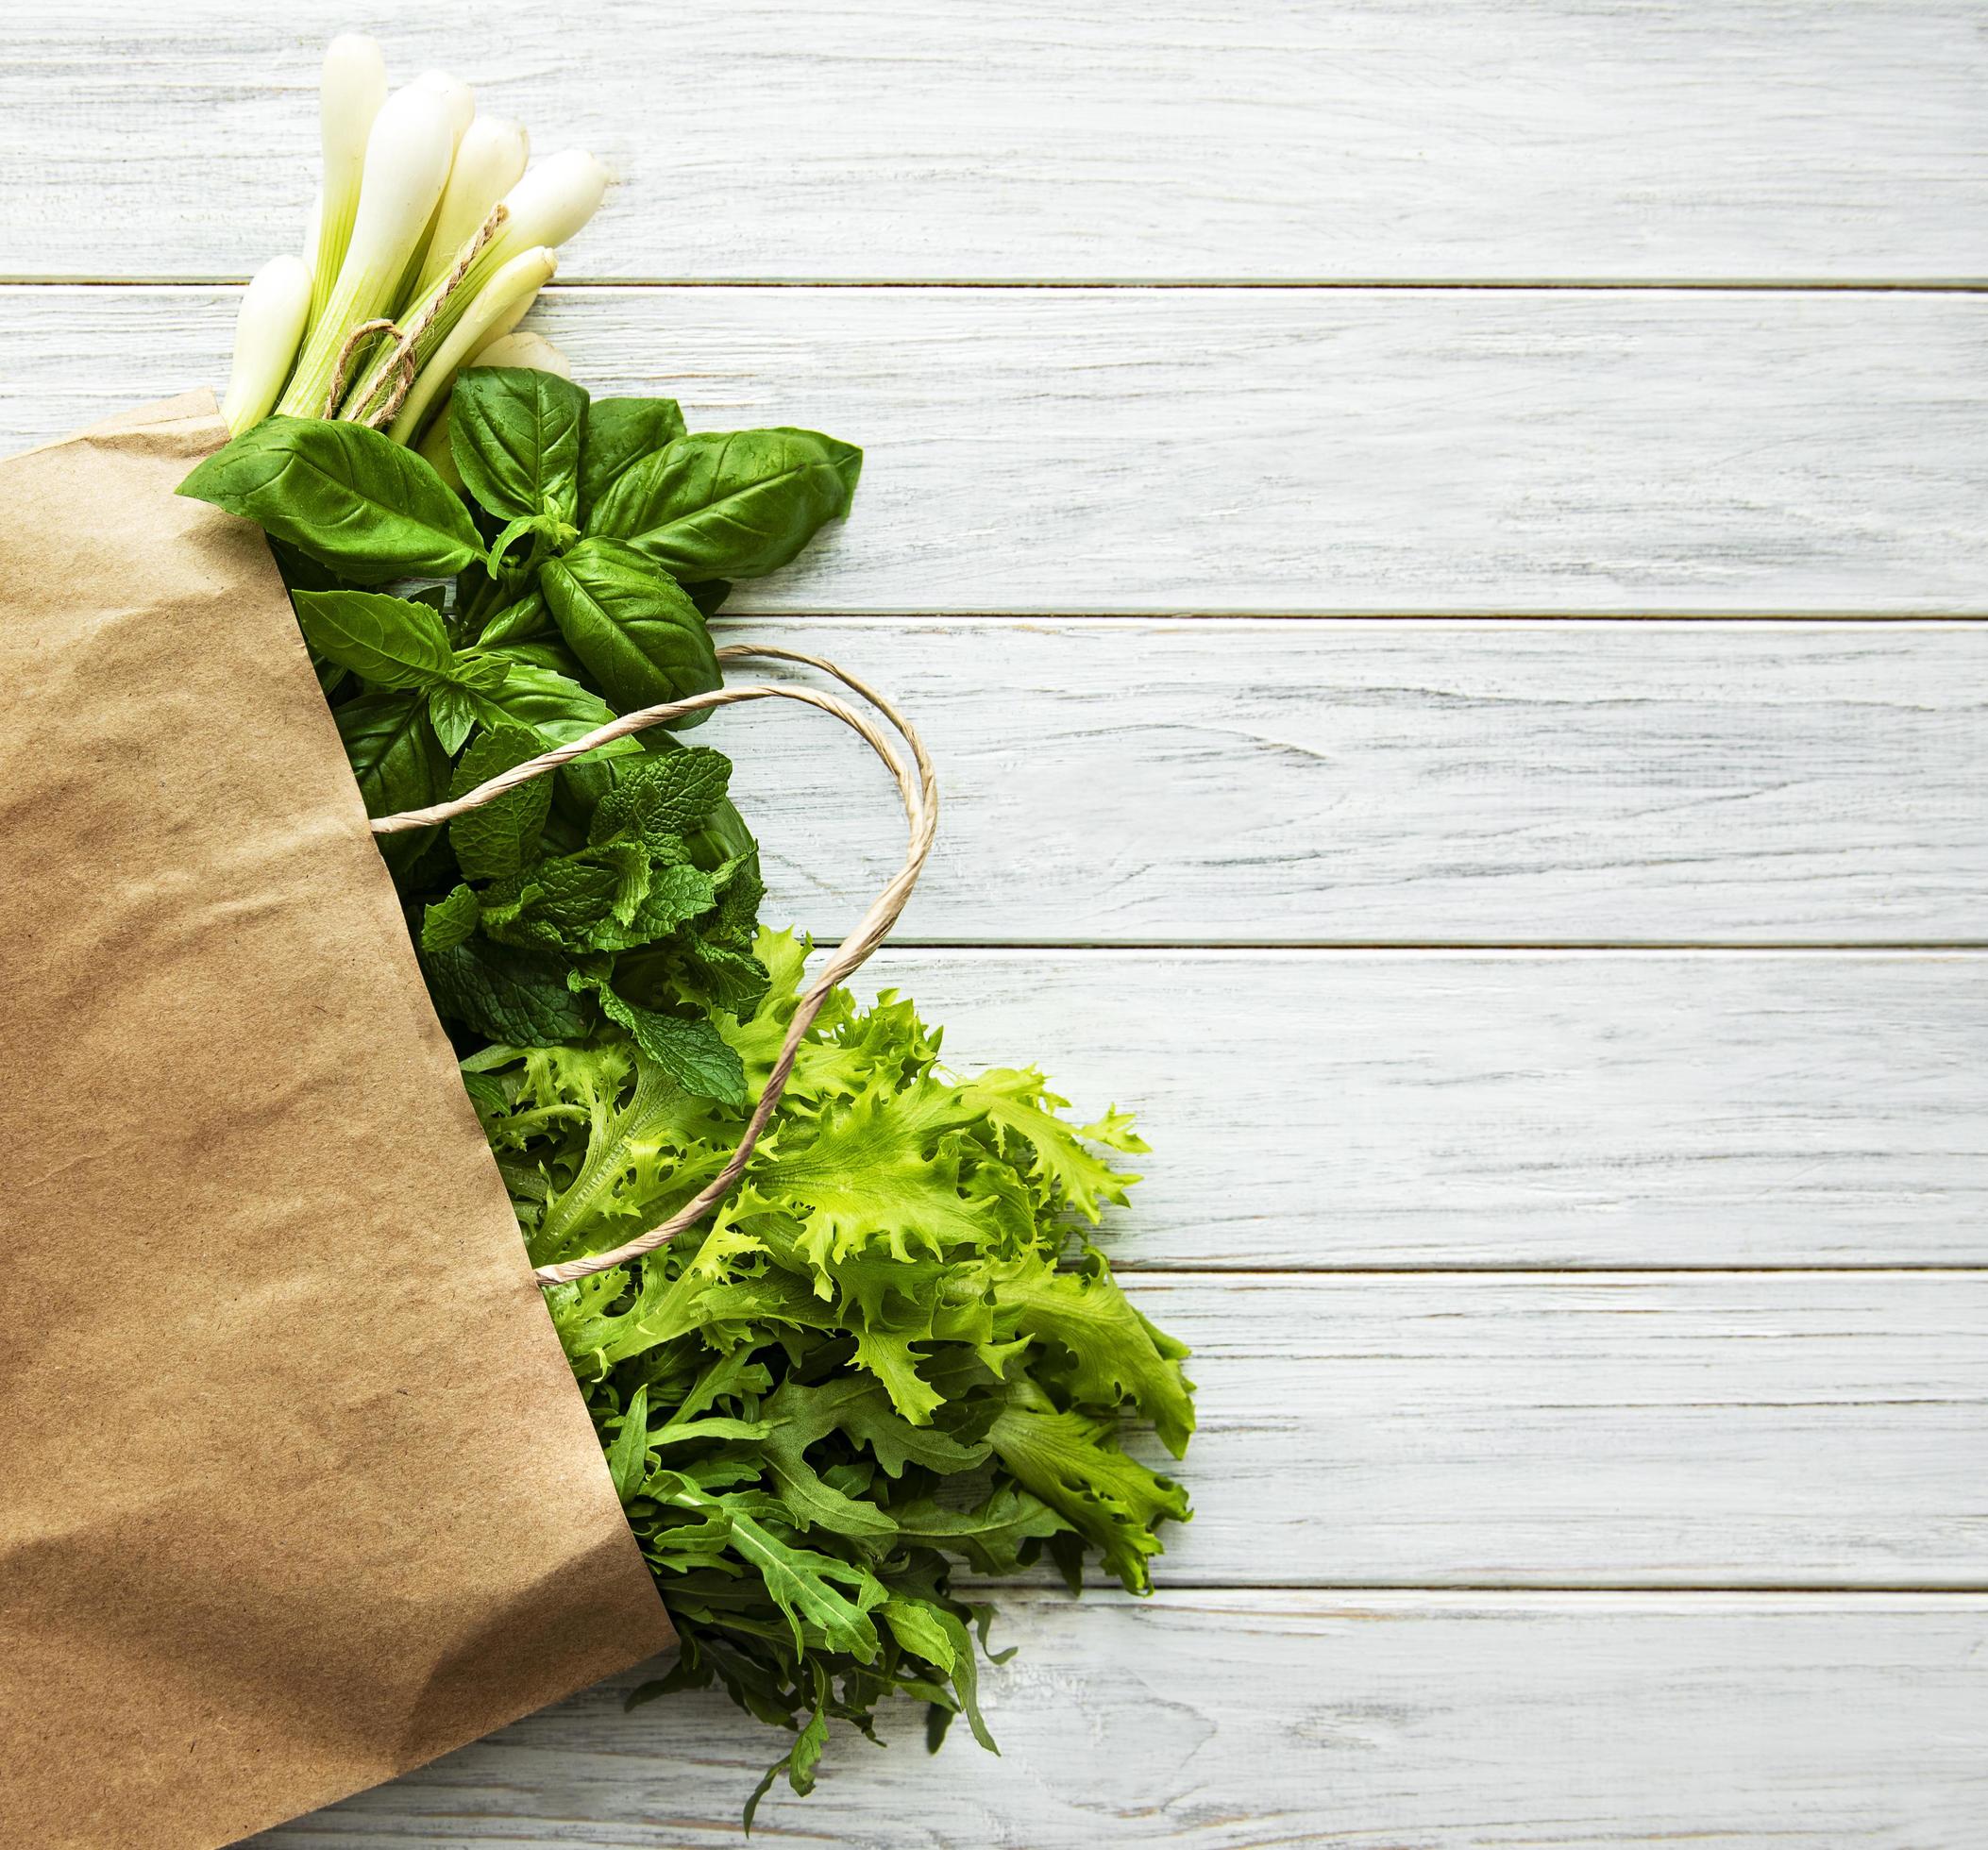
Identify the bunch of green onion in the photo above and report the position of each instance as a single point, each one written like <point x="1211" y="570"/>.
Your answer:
<point x="428" y="222"/>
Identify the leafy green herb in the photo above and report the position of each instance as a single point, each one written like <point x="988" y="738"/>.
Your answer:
<point x="621" y="431"/>
<point x="894" y="1351"/>
<point x="343" y="495"/>
<point x="874" y="1365"/>
<point x="729" y="505"/>
<point x="641" y="640"/>
<point x="515" y="437"/>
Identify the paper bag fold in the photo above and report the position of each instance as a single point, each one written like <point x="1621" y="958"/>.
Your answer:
<point x="296" y="1488"/>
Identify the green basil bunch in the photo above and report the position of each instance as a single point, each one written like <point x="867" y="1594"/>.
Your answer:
<point x="570" y="582"/>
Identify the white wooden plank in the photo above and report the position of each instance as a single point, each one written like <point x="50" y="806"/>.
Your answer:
<point x="1239" y="1722"/>
<point x="1269" y="450"/>
<point x="1321" y="1110"/>
<point x="1824" y="1429"/>
<point x="1391" y="783"/>
<point x="1187" y="138"/>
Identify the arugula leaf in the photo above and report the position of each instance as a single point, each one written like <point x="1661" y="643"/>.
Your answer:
<point x="631" y="626"/>
<point x="620" y="432"/>
<point x="729" y="505"/>
<point x="515" y="435"/>
<point x="348" y="497"/>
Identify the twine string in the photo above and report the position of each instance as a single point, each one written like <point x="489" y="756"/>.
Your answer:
<point x="917" y="789"/>
<point x="353" y="342"/>
<point x="402" y="356"/>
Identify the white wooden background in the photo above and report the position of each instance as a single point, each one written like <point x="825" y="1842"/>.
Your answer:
<point x="1454" y="631"/>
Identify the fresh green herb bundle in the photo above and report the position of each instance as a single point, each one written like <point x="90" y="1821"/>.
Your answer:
<point x="893" y="1351"/>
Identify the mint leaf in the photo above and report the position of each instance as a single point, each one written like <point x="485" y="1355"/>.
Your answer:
<point x="692" y="1053"/>
<point x="506" y="993"/>
<point x="501" y="838"/>
<point x="665" y="793"/>
<point x="449" y="922"/>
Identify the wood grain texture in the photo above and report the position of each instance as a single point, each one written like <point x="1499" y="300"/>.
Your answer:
<point x="1318" y="1110"/>
<point x="1023" y="140"/>
<point x="1818" y="1430"/>
<point x="1356" y="783"/>
<point x="1269" y="450"/>
<point x="1261" y="1722"/>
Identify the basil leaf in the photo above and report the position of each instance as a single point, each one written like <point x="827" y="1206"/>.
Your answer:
<point x="621" y="431"/>
<point x="709" y="595"/>
<point x="502" y="836"/>
<point x="515" y="437"/>
<point x="391" y="642"/>
<point x="452" y="712"/>
<point x="634" y="631"/>
<point x="515" y="622"/>
<point x="348" y="497"/>
<point x="399" y="762"/>
<point x="546" y="703"/>
<point x="730" y="505"/>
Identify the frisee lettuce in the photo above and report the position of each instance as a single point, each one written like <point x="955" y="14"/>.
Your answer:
<point x="895" y="1351"/>
<point x="876" y="1363"/>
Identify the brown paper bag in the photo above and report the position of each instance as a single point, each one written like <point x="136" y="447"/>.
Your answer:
<point x="295" y="1490"/>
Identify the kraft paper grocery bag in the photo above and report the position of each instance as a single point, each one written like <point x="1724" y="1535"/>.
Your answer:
<point x="295" y="1490"/>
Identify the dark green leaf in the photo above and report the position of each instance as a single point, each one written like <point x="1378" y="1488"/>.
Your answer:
<point x="452" y="712"/>
<point x="393" y="751"/>
<point x="350" y="497"/>
<point x="449" y="922"/>
<point x="397" y="761"/>
<point x="730" y="504"/>
<point x="506" y="993"/>
<point x="546" y="703"/>
<point x="516" y="622"/>
<point x="621" y="431"/>
<point x="663" y="794"/>
<point x="303" y="573"/>
<point x="631" y="626"/>
<point x="391" y="642"/>
<point x="515" y="436"/>
<point x="627" y="1457"/>
<point x="502" y="836"/>
<point x="690" y="1052"/>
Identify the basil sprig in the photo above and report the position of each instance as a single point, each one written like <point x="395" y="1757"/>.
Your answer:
<point x="569" y="580"/>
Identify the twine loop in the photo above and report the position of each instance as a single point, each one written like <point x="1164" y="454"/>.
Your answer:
<point x="403" y="356"/>
<point x="918" y="790"/>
